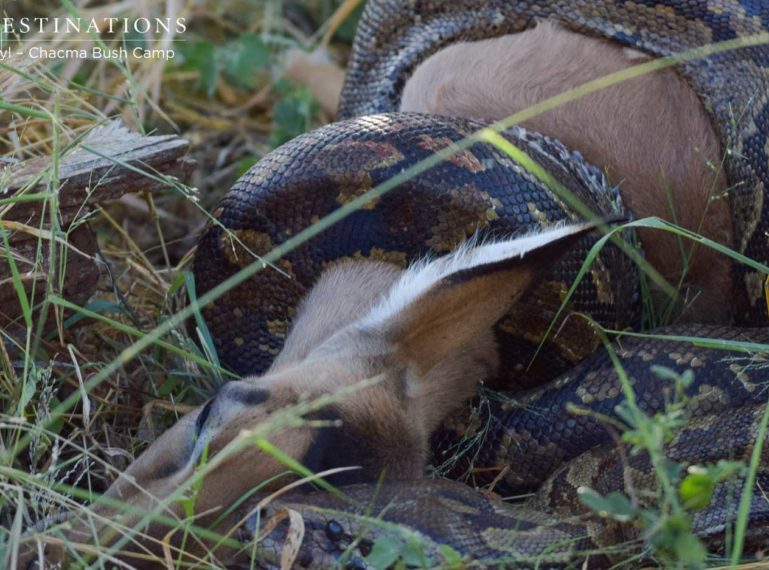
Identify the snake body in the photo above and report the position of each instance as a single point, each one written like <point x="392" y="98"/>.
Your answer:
<point x="552" y="528"/>
<point x="536" y="432"/>
<point x="481" y="189"/>
<point x="394" y="37"/>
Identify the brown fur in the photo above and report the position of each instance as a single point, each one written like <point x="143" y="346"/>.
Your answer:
<point x="650" y="135"/>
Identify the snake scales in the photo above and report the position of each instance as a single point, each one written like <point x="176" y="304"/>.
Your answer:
<point x="545" y="444"/>
<point x="482" y="189"/>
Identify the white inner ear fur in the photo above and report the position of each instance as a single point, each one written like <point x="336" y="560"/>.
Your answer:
<point x="424" y="274"/>
<point x="342" y="294"/>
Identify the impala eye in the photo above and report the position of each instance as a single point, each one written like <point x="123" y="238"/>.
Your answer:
<point x="203" y="416"/>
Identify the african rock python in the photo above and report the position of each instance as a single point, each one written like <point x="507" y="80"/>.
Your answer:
<point x="394" y="37"/>
<point x="536" y="435"/>
<point x="482" y="189"/>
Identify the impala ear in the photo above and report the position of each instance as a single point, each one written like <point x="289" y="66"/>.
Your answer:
<point x="440" y="308"/>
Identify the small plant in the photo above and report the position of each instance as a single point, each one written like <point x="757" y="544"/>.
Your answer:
<point x="682" y="490"/>
<point x="242" y="62"/>
<point x="292" y="113"/>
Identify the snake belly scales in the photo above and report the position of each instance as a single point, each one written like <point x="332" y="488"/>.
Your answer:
<point x="481" y="189"/>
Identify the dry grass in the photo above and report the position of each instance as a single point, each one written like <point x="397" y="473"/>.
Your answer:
<point x="233" y="111"/>
<point x="146" y="242"/>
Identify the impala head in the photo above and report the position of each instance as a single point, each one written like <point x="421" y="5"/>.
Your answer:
<point x="425" y="334"/>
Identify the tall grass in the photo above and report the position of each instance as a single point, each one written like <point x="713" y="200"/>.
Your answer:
<point x="80" y="402"/>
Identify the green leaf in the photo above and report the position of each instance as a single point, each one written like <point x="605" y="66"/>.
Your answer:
<point x="134" y="39"/>
<point x="168" y="386"/>
<point x="696" y="490"/>
<point x="292" y="114"/>
<point x="97" y="306"/>
<point x="726" y="469"/>
<point x="671" y="469"/>
<point x="27" y="393"/>
<point x="243" y="58"/>
<point x="346" y="31"/>
<point x="626" y="414"/>
<point x="385" y="552"/>
<point x="414" y="556"/>
<point x="176" y="284"/>
<point x="245" y="163"/>
<point x="200" y="322"/>
<point x="451" y="558"/>
<point x="690" y="550"/>
<point x="649" y="518"/>
<point x="614" y="505"/>
<point x="18" y="285"/>
<point x="200" y="55"/>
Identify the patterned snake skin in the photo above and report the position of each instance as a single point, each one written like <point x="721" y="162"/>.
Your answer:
<point x="478" y="190"/>
<point x="394" y="37"/>
<point x="535" y="431"/>
<point x="482" y="190"/>
<point x="552" y="452"/>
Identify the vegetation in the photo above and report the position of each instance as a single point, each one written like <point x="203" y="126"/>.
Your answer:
<point x="79" y="403"/>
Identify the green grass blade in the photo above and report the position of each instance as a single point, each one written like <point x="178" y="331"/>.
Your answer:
<point x="743" y="515"/>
